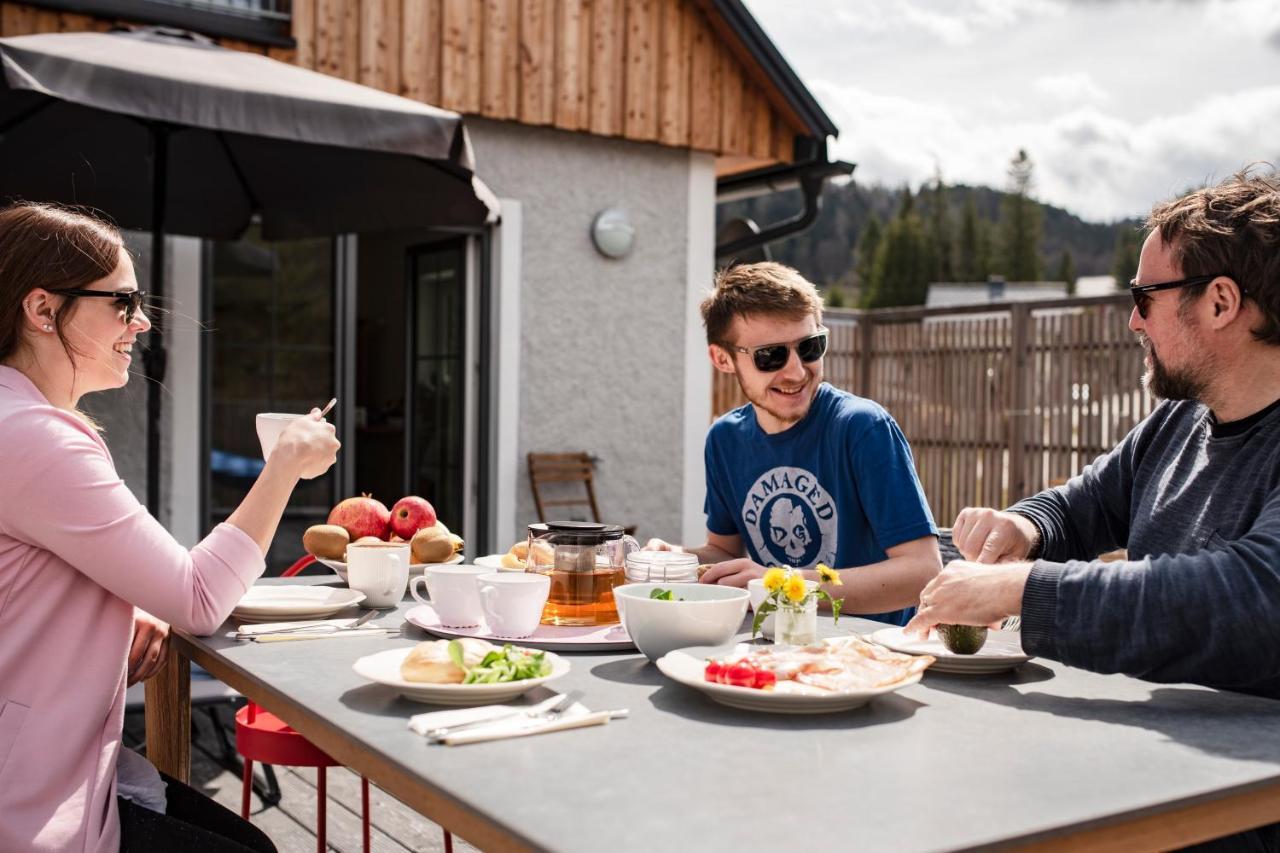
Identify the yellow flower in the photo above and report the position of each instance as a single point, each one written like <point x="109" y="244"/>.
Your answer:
<point x="773" y="579"/>
<point x="829" y="575"/>
<point x="794" y="588"/>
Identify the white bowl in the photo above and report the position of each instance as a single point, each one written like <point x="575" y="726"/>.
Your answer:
<point x="755" y="587"/>
<point x="706" y="615"/>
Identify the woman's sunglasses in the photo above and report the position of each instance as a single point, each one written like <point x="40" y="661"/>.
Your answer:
<point x="1141" y="293"/>
<point x="771" y="358"/>
<point x="130" y="300"/>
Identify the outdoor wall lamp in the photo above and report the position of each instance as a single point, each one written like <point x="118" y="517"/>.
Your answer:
<point x="612" y="233"/>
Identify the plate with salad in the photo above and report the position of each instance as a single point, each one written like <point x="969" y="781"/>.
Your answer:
<point x="461" y="672"/>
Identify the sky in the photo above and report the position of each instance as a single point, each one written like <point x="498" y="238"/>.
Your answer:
<point x="1119" y="103"/>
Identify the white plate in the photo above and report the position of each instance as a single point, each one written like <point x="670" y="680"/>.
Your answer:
<point x="558" y="638"/>
<point x="267" y="603"/>
<point x="688" y="666"/>
<point x="1002" y="651"/>
<point x="415" y="569"/>
<point x="384" y="668"/>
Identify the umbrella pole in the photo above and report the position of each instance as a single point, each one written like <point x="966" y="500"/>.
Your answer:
<point x="154" y="358"/>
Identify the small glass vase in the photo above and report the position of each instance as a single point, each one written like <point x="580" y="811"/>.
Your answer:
<point x="796" y="624"/>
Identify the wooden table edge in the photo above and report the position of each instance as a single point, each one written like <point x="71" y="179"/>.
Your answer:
<point x="169" y="746"/>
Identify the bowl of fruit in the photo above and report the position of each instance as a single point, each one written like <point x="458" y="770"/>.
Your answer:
<point x="365" y="519"/>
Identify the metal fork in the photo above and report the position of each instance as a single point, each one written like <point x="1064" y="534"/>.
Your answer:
<point x="545" y="714"/>
<point x="302" y="629"/>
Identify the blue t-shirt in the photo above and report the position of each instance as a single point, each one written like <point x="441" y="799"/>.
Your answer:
<point x="838" y="487"/>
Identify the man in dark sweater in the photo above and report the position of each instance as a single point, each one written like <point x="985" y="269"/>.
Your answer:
<point x="1193" y="492"/>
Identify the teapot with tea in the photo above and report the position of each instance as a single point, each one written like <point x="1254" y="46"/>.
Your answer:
<point x="585" y="561"/>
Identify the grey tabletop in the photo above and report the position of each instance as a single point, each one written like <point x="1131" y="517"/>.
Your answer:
<point x="949" y="763"/>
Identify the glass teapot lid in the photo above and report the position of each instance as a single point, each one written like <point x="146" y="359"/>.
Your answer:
<point x="576" y="532"/>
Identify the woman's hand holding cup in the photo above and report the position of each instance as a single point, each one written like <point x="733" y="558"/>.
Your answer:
<point x="308" y="445"/>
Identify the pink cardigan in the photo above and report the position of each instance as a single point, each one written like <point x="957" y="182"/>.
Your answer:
<point x="77" y="552"/>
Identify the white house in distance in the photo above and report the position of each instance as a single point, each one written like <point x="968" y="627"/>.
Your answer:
<point x="455" y="353"/>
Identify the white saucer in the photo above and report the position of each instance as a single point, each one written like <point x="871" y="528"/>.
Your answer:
<point x="271" y="603"/>
<point x="560" y="638"/>
<point x="1002" y="651"/>
<point x="415" y="569"/>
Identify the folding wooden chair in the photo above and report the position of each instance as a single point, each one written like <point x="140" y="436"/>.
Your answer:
<point x="565" y="468"/>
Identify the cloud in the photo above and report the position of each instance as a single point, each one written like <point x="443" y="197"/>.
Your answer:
<point x="1096" y="164"/>
<point x="954" y="24"/>
<point x="1078" y="86"/>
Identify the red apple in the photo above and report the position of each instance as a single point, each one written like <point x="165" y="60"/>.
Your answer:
<point x="411" y="514"/>
<point x="362" y="516"/>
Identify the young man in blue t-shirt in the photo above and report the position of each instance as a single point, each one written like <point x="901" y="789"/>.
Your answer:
<point x="805" y="473"/>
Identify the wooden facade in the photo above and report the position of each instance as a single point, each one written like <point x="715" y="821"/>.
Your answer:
<point x="997" y="401"/>
<point x="663" y="71"/>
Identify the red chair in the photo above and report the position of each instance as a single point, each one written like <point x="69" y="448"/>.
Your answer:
<point x="262" y="736"/>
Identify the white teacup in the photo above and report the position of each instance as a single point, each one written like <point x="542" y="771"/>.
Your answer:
<point x="755" y="588"/>
<point x="380" y="570"/>
<point x="454" y="595"/>
<point x="512" y="601"/>
<point x="270" y="425"/>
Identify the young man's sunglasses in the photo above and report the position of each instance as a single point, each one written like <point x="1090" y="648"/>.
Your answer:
<point x="1141" y="293"/>
<point x="773" y="357"/>
<point x="130" y="300"/>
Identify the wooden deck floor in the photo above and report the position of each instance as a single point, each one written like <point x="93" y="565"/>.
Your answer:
<point x="291" y="824"/>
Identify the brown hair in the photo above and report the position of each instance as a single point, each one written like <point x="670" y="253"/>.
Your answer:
<point x="51" y="247"/>
<point x="752" y="290"/>
<point x="1230" y="229"/>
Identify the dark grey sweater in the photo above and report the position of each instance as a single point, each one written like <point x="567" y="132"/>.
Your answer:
<point x="1197" y="505"/>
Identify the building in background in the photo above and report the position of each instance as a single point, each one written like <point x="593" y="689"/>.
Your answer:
<point x="608" y="129"/>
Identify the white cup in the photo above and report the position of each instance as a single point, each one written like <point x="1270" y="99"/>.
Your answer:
<point x="454" y="594"/>
<point x="755" y="589"/>
<point x="270" y="425"/>
<point x="380" y="570"/>
<point x="512" y="601"/>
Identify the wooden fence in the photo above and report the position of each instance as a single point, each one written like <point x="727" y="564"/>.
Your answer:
<point x="998" y="401"/>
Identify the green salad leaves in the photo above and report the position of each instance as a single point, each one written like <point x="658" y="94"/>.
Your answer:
<point x="505" y="664"/>
<point x="664" y="595"/>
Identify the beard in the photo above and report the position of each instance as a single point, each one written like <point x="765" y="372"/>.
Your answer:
<point x="1169" y="384"/>
<point x="761" y="400"/>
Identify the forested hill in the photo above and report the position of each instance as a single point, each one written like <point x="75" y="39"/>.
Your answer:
<point x="825" y="253"/>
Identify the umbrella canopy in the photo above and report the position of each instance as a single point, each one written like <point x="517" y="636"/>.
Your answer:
<point x="311" y="154"/>
<point x="165" y="131"/>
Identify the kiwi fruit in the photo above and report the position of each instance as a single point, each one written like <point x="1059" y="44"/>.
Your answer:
<point x="431" y="544"/>
<point x="963" y="639"/>
<point x="326" y="540"/>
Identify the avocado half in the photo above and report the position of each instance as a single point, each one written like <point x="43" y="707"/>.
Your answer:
<point x="962" y="639"/>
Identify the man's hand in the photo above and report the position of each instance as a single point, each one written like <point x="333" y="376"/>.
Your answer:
<point x="661" y="545"/>
<point x="967" y="593"/>
<point x="149" y="648"/>
<point x="733" y="572"/>
<point x="987" y="536"/>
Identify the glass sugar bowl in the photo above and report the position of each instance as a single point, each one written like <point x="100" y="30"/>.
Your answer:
<point x="661" y="567"/>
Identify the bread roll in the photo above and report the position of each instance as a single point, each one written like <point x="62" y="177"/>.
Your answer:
<point x="520" y="550"/>
<point x="510" y="561"/>
<point x="429" y="662"/>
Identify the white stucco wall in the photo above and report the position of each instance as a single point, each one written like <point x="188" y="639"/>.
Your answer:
<point x="604" y="350"/>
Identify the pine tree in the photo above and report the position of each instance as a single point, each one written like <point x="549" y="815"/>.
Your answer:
<point x="865" y="252"/>
<point x="967" y="253"/>
<point x="1020" y="223"/>
<point x="1124" y="259"/>
<point x="900" y="275"/>
<point x="1067" y="271"/>
<point x="941" y="245"/>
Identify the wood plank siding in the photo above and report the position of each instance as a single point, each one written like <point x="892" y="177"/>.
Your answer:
<point x="663" y="71"/>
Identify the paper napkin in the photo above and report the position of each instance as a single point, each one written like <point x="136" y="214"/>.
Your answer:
<point x="504" y="726"/>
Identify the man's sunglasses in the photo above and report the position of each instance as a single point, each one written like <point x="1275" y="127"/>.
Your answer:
<point x="130" y="300"/>
<point x="1141" y="293"/>
<point x="773" y="357"/>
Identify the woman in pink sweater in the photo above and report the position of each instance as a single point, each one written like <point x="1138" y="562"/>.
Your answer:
<point x="78" y="553"/>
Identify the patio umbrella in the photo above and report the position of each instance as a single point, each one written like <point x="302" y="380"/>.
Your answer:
<point x="165" y="131"/>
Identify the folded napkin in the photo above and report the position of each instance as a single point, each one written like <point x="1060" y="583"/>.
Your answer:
<point x="272" y="632"/>
<point x="504" y="725"/>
